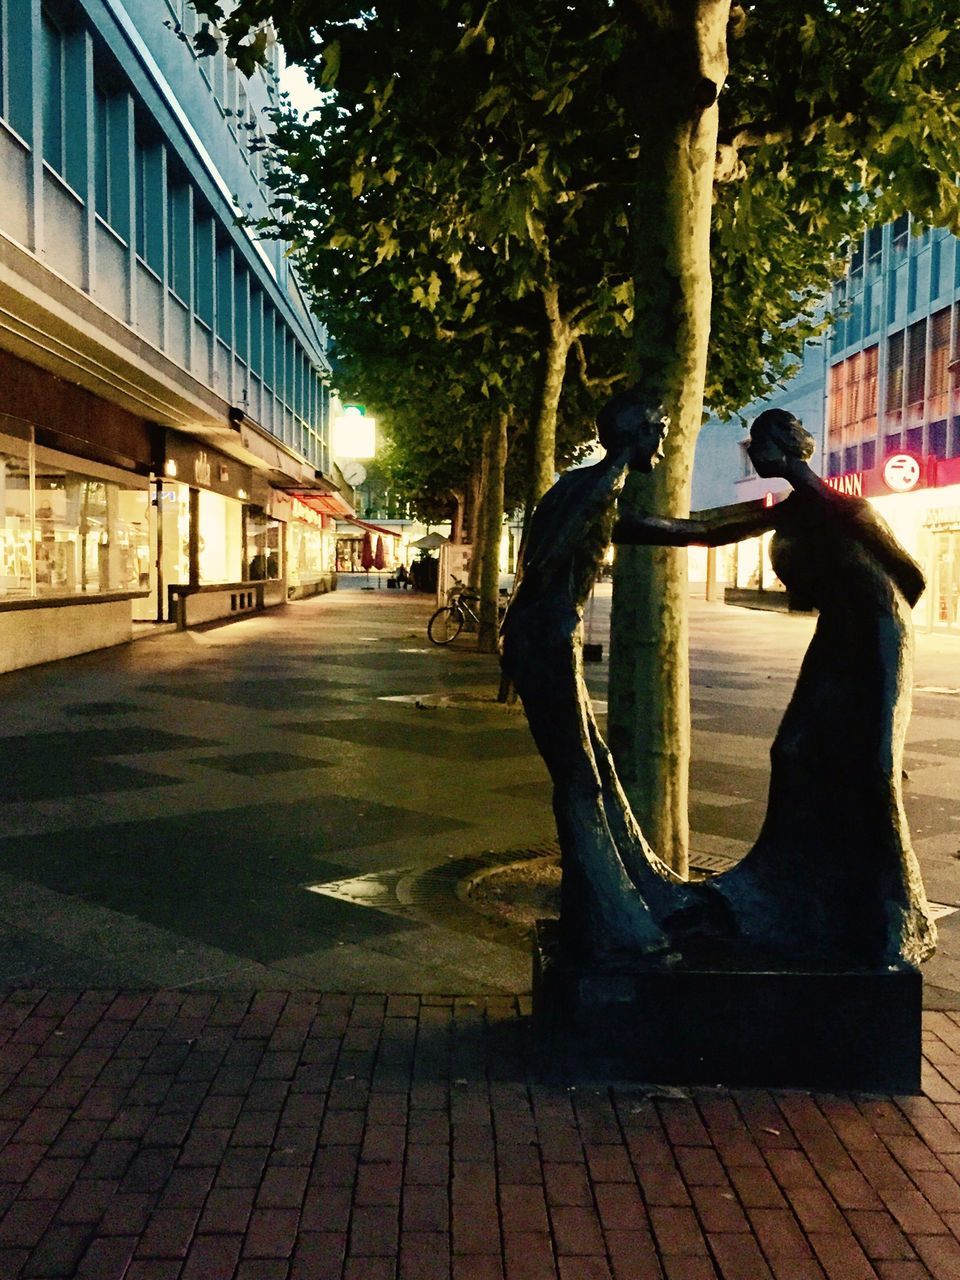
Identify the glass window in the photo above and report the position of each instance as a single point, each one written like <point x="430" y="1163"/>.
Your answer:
<point x="178" y="239"/>
<point x="937" y="442"/>
<point x="262" y="553"/>
<point x="221" y="538"/>
<point x="916" y="361"/>
<point x="16" y="506"/>
<point x="269" y="324"/>
<point x="240" y="306"/>
<point x="895" y="371"/>
<point x="225" y="293"/>
<point x="51" y="64"/>
<point x="256" y="331"/>
<point x="868" y="455"/>
<point x="148" y="166"/>
<point x="90" y="534"/>
<point x="203" y="267"/>
<point x="174" y="500"/>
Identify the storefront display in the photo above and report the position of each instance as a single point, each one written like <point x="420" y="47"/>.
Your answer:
<point x="68" y="526"/>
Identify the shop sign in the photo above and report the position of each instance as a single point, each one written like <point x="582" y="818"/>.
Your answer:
<point x="202" y="471"/>
<point x="851" y="484"/>
<point x="901" y="472"/>
<point x="204" y="467"/>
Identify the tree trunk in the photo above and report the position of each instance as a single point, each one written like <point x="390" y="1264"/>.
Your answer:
<point x="470" y="503"/>
<point x="477" y="527"/>
<point x="543" y="446"/>
<point x="678" y="62"/>
<point x="456" y="521"/>
<point x="495" y="455"/>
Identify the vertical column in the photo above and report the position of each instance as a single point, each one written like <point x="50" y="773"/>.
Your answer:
<point x="193" y="576"/>
<point x="30" y="27"/>
<point x="162" y="231"/>
<point x="91" y="143"/>
<point x="127" y="149"/>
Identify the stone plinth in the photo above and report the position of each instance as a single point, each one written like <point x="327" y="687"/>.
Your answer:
<point x="676" y="1022"/>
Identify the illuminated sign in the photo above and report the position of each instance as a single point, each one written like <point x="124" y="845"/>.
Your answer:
<point x="901" y="472"/>
<point x="202" y="471"/>
<point x="851" y="484"/>
<point x="354" y="434"/>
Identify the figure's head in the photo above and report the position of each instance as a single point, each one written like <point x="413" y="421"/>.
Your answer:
<point x="776" y="437"/>
<point x="633" y="422"/>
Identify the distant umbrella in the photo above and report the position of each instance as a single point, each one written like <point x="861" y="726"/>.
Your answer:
<point x="380" y="559"/>
<point x="430" y="542"/>
<point x="366" y="554"/>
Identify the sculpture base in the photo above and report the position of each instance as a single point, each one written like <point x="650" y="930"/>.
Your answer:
<point x="678" y="1023"/>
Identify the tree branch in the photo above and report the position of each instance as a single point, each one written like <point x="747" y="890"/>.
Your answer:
<point x="605" y="384"/>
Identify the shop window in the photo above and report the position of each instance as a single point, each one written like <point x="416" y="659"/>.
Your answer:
<point x="221" y="538"/>
<point x="262" y="552"/>
<point x="937" y="439"/>
<point x="178" y="240"/>
<point x="203" y="266"/>
<point x="63" y="530"/>
<point x="16" y="530"/>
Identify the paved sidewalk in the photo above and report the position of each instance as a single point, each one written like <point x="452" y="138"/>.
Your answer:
<point x="326" y="1137"/>
<point x="204" y="837"/>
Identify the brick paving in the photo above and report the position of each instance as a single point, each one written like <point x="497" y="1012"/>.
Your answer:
<point x="170" y="1135"/>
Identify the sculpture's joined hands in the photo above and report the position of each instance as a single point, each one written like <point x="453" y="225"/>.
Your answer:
<point x="832" y="878"/>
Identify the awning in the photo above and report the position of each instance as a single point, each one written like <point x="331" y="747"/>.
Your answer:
<point x="327" y="504"/>
<point x="373" y="528"/>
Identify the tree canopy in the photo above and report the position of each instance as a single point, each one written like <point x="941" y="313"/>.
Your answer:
<point x="670" y="185"/>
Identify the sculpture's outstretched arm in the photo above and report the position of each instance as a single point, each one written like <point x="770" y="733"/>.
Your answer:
<point x="879" y="538"/>
<point x="715" y="531"/>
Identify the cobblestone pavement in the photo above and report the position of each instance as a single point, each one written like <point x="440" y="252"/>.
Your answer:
<point x="151" y="1136"/>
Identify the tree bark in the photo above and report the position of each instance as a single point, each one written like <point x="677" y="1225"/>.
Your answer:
<point x="543" y="446"/>
<point x="477" y="527"/>
<point x="495" y="454"/>
<point x="456" y="522"/>
<point x="678" y="63"/>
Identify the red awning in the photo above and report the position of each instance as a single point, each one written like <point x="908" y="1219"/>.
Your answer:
<point x="374" y="528"/>
<point x="327" y="504"/>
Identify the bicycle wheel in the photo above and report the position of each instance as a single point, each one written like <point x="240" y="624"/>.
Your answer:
<point x="445" y="625"/>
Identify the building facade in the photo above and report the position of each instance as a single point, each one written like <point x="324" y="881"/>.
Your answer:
<point x="881" y="394"/>
<point x="164" y="429"/>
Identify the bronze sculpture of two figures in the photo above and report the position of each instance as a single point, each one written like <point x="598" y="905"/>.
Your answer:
<point x="832" y="880"/>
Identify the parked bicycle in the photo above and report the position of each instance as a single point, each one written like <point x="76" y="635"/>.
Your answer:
<point x="449" y="620"/>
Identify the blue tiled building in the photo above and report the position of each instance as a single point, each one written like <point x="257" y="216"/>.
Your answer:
<point x="164" y="422"/>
